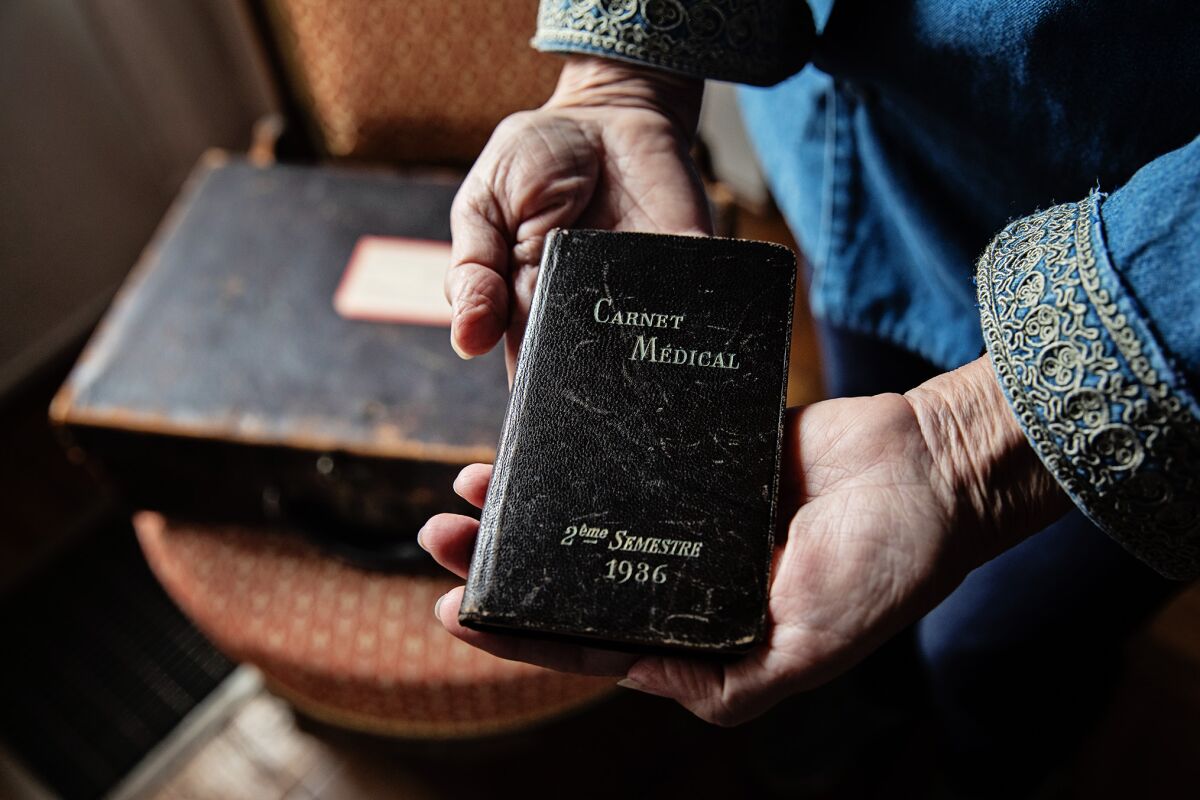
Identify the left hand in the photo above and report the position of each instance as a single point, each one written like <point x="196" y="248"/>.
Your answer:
<point x="610" y="150"/>
<point x="895" y="498"/>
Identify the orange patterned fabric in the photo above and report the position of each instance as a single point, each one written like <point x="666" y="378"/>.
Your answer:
<point x="352" y="647"/>
<point x="415" y="81"/>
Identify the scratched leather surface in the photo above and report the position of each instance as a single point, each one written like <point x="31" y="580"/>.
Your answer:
<point x="222" y="384"/>
<point x="670" y="451"/>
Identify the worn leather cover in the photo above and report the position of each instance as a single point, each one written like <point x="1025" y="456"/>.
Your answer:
<point x="223" y="385"/>
<point x="633" y="499"/>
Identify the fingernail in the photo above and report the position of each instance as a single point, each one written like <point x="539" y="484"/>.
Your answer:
<point x="421" y="539"/>
<point x="437" y="606"/>
<point x="630" y="683"/>
<point x="459" y="351"/>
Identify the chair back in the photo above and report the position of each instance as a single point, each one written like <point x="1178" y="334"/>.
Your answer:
<point x="414" y="82"/>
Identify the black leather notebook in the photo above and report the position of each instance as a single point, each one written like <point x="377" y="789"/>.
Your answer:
<point x="634" y="494"/>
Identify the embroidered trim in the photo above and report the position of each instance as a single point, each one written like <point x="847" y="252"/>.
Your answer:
<point x="1078" y="368"/>
<point x="745" y="41"/>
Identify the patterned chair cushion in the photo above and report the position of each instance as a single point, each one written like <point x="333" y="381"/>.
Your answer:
<point x="415" y="82"/>
<point x="354" y="648"/>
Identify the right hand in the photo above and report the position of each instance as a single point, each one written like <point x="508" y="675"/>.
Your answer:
<point x="609" y="150"/>
<point x="893" y="500"/>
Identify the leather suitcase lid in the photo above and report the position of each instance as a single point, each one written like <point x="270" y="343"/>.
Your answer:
<point x="227" y="328"/>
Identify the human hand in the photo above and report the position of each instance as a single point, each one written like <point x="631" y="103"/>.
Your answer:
<point x="610" y="150"/>
<point x="896" y="499"/>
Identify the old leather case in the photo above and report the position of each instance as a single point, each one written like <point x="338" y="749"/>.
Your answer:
<point x="223" y="385"/>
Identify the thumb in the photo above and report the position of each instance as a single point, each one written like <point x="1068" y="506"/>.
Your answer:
<point x="476" y="283"/>
<point x="490" y="283"/>
<point x="526" y="182"/>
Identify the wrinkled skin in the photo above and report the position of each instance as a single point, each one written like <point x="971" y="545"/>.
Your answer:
<point x="597" y="155"/>
<point x="890" y="500"/>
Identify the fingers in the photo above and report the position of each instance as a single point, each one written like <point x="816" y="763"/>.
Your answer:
<point x="537" y="172"/>
<point x="552" y="655"/>
<point x="472" y="483"/>
<point x="450" y="539"/>
<point x="476" y="284"/>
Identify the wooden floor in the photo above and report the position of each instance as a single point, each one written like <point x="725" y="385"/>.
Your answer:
<point x="262" y="753"/>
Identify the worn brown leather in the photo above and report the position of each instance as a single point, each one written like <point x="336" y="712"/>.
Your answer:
<point x="222" y="385"/>
<point x="610" y="433"/>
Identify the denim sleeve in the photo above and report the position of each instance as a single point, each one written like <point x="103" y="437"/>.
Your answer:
<point x="758" y="42"/>
<point x="1090" y="314"/>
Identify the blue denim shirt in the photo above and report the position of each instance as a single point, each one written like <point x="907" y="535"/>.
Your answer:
<point x="912" y="133"/>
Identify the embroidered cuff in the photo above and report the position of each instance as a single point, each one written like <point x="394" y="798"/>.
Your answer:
<point x="1091" y="386"/>
<point x="759" y="42"/>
